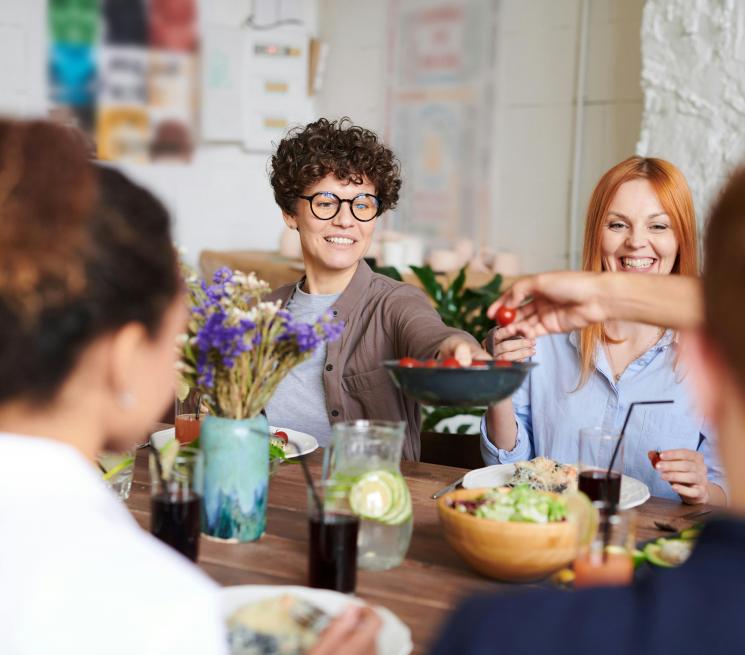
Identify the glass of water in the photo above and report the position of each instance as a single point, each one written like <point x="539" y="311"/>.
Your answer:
<point x="117" y="470"/>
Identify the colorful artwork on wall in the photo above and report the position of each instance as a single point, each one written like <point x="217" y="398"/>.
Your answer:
<point x="125" y="72"/>
<point x="440" y="113"/>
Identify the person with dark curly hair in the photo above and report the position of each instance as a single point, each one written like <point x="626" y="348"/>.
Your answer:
<point x="332" y="180"/>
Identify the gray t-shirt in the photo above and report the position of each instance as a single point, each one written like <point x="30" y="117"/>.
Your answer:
<point x="299" y="402"/>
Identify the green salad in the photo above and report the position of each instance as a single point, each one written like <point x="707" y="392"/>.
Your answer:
<point x="518" y="504"/>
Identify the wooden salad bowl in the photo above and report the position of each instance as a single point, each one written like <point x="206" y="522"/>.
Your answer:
<point x="506" y="550"/>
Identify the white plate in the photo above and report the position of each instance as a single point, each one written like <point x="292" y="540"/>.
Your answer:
<point x="394" y="637"/>
<point x="633" y="492"/>
<point x="157" y="439"/>
<point x="305" y="443"/>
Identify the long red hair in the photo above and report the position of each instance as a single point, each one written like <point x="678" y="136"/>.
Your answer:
<point x="675" y="197"/>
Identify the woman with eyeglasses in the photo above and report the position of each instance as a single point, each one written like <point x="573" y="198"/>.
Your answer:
<point x="332" y="180"/>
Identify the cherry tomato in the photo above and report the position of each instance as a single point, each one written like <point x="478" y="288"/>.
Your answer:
<point x="451" y="362"/>
<point x="409" y="362"/>
<point x="279" y="434"/>
<point x="505" y="315"/>
<point x="654" y="457"/>
<point x="431" y="363"/>
<point x="502" y="362"/>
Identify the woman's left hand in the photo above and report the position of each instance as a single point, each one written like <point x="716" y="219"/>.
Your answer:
<point x="686" y="471"/>
<point x="463" y="350"/>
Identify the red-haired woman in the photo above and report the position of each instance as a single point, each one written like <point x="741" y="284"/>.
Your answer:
<point x="640" y="220"/>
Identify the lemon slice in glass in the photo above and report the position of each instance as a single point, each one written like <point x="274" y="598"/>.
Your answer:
<point x="374" y="494"/>
<point x="168" y="453"/>
<point x="114" y="464"/>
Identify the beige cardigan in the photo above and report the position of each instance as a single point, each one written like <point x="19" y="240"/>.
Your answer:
<point x="384" y="319"/>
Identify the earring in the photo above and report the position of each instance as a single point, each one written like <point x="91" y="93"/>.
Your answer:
<point x="126" y="399"/>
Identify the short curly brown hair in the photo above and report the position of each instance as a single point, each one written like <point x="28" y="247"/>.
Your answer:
<point x="340" y="148"/>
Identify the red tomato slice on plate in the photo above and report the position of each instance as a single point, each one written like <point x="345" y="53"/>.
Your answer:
<point x="279" y="434"/>
<point x="409" y="362"/>
<point x="502" y="362"/>
<point x="431" y="363"/>
<point x="451" y="362"/>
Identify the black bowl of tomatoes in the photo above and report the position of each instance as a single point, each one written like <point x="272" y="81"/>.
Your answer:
<point x="446" y="382"/>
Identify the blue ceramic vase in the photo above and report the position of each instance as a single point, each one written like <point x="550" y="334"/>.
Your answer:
<point x="236" y="477"/>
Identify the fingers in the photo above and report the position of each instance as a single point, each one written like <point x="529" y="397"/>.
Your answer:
<point x="513" y="350"/>
<point x="514" y="296"/>
<point x="463" y="353"/>
<point x="682" y="466"/>
<point x="352" y="632"/>
<point x="680" y="453"/>
<point x="692" y="494"/>
<point x="362" y="641"/>
<point x="693" y="477"/>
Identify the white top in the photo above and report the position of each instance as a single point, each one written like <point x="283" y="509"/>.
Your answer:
<point x="78" y="576"/>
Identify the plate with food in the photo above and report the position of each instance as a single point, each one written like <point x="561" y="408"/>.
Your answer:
<point x="446" y="382"/>
<point x="545" y="474"/>
<point x="274" y="620"/>
<point x="293" y="442"/>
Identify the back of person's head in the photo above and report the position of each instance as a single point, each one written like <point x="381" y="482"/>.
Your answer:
<point x="339" y="148"/>
<point x="83" y="252"/>
<point x="674" y="195"/>
<point x="724" y="275"/>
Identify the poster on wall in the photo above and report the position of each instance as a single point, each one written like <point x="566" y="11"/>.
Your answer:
<point x="439" y="114"/>
<point x="125" y="72"/>
<point x="73" y="27"/>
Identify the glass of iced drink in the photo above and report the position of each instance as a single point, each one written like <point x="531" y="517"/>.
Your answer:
<point x="608" y="559"/>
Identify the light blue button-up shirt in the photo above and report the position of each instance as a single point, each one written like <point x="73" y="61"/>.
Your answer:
<point x="550" y="413"/>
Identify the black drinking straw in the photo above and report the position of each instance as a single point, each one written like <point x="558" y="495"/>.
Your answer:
<point x="611" y="506"/>
<point x="311" y="486"/>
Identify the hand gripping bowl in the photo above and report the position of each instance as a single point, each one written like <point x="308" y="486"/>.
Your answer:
<point x="479" y="385"/>
<point x="506" y="550"/>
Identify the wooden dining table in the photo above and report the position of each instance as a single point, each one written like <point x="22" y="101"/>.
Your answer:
<point x="421" y="592"/>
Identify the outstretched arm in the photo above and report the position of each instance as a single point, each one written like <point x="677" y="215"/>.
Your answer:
<point x="568" y="300"/>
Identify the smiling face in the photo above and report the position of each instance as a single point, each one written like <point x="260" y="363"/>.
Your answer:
<point x="335" y="245"/>
<point x="637" y="234"/>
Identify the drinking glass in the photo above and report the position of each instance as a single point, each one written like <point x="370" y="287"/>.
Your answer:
<point x="608" y="563"/>
<point x="596" y="447"/>
<point x="117" y="470"/>
<point x="188" y="416"/>
<point x="176" y="501"/>
<point x="366" y="456"/>
<point x="332" y="553"/>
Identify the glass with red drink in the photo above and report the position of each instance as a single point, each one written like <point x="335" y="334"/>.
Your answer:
<point x="176" y="500"/>
<point x="333" y="528"/>
<point x="188" y="416"/>
<point x="596" y="448"/>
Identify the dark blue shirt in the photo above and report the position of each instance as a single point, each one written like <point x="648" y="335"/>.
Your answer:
<point x="698" y="608"/>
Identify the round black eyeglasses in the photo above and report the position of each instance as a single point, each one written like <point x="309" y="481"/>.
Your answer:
<point x="325" y="205"/>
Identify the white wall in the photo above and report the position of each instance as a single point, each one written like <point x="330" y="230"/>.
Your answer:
<point x="694" y="90"/>
<point x="224" y="199"/>
<point x="535" y="85"/>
